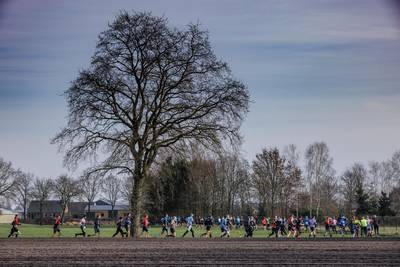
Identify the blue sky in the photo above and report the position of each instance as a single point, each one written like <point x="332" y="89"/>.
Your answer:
<point x="316" y="71"/>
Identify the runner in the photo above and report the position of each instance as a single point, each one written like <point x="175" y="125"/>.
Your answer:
<point x="328" y="226"/>
<point x="297" y="225"/>
<point x="82" y="225"/>
<point x="128" y="224"/>
<point x="369" y="227"/>
<point x="306" y="223"/>
<point x="14" y="229"/>
<point x="364" y="226"/>
<point x="333" y="225"/>
<point x="208" y="223"/>
<point x="120" y="222"/>
<point x="224" y="227"/>
<point x="282" y="227"/>
<point x="164" y="223"/>
<point x="57" y="225"/>
<point x="264" y="223"/>
<point x="375" y="224"/>
<point x="342" y="225"/>
<point x="313" y="227"/>
<point x="246" y="226"/>
<point x="237" y="222"/>
<point x="172" y="227"/>
<point x="201" y="222"/>
<point x="189" y="225"/>
<point x="229" y="222"/>
<point x="274" y="228"/>
<point x="291" y="226"/>
<point x="253" y="225"/>
<point x="145" y="224"/>
<point x="96" y="225"/>
<point x="355" y="226"/>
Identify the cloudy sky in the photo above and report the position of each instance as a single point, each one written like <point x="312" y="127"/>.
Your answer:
<point x="316" y="70"/>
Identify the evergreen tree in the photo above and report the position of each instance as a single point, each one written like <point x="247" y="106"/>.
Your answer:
<point x="362" y="200"/>
<point x="384" y="205"/>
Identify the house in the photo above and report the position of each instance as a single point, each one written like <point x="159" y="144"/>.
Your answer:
<point x="75" y="210"/>
<point x="52" y="207"/>
<point x="49" y="209"/>
<point x="6" y="216"/>
<point x="105" y="210"/>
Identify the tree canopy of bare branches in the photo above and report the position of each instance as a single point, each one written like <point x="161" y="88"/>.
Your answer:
<point x="22" y="191"/>
<point x="6" y="176"/>
<point x="268" y="169"/>
<point x="90" y="188"/>
<point x="111" y="187"/>
<point x="149" y="87"/>
<point x="66" y="188"/>
<point x="42" y="189"/>
<point x="318" y="169"/>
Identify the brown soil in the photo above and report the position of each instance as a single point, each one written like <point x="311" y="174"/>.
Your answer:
<point x="123" y="252"/>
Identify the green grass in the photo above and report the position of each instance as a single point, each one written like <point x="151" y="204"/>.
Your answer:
<point x="33" y="230"/>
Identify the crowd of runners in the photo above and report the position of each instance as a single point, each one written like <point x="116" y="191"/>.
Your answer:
<point x="277" y="227"/>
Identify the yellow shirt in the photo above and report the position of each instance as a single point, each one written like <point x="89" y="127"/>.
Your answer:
<point x="364" y="223"/>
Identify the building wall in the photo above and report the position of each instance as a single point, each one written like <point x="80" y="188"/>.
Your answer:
<point x="6" y="218"/>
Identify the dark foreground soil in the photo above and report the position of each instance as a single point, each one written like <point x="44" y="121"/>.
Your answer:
<point x="167" y="252"/>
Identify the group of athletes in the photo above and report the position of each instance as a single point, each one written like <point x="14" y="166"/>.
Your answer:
<point x="278" y="226"/>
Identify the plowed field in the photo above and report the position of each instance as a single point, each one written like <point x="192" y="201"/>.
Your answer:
<point x="127" y="252"/>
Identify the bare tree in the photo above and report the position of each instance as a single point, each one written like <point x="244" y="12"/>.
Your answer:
<point x="351" y="181"/>
<point x="90" y="188"/>
<point x="149" y="87"/>
<point x="268" y="175"/>
<point x="6" y="176"/>
<point x="318" y="168"/>
<point x="112" y="190"/>
<point x="294" y="183"/>
<point x="22" y="192"/>
<point x="231" y="171"/>
<point x="66" y="188"/>
<point x="42" y="189"/>
<point x="375" y="177"/>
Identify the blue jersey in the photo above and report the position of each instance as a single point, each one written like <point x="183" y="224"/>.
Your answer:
<point x="312" y="223"/>
<point x="223" y="223"/>
<point x="237" y="220"/>
<point x="189" y="220"/>
<point x="128" y="221"/>
<point x="342" y="222"/>
<point x="165" y="220"/>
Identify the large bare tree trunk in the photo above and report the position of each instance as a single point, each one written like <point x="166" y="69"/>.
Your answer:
<point x="63" y="212"/>
<point x="137" y="203"/>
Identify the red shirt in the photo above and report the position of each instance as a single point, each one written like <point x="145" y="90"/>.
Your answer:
<point x="16" y="221"/>
<point x="58" y="221"/>
<point x="145" y="221"/>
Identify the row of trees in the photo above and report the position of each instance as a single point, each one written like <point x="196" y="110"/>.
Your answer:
<point x="223" y="182"/>
<point x="18" y="187"/>
<point x="274" y="184"/>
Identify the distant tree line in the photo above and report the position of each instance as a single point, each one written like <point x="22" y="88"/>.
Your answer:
<point x="219" y="183"/>
<point x="275" y="183"/>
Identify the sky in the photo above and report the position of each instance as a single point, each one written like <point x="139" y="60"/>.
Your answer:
<point x="316" y="71"/>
